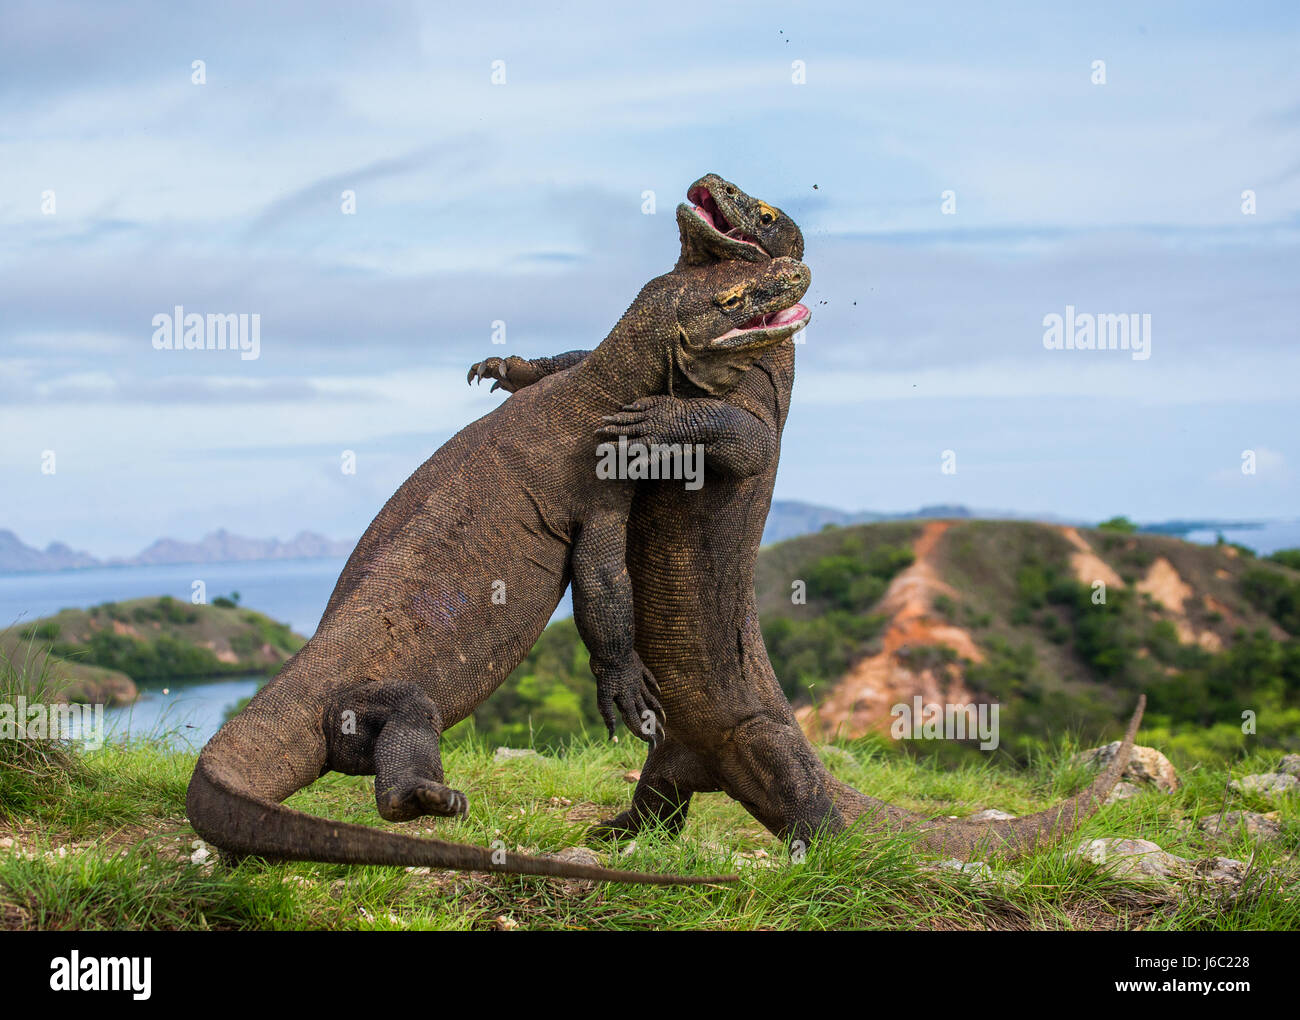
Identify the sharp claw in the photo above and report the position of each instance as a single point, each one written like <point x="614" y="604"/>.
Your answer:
<point x="495" y="386"/>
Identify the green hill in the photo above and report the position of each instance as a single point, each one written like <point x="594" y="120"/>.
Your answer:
<point x="97" y="654"/>
<point x="1059" y="626"/>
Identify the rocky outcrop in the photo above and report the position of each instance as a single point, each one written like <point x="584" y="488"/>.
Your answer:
<point x="1132" y="858"/>
<point x="1267" y="784"/>
<point x="1145" y="863"/>
<point x="1232" y="823"/>
<point x="1146" y="765"/>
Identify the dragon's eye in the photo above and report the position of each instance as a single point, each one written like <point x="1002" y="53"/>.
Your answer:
<point x="766" y="215"/>
<point x="731" y="302"/>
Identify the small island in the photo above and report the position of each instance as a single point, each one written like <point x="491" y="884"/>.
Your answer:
<point x="97" y="655"/>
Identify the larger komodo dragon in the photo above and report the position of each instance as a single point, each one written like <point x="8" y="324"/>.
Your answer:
<point x="691" y="556"/>
<point x="456" y="578"/>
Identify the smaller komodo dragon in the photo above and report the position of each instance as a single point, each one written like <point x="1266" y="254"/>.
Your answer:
<point x="412" y="640"/>
<point x="691" y="556"/>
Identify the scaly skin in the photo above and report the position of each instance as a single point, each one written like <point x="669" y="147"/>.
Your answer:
<point x="413" y="639"/>
<point x="691" y="556"/>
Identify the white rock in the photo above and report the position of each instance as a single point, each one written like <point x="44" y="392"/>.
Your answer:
<point x="990" y="815"/>
<point x="978" y="872"/>
<point x="576" y="855"/>
<point x="1221" y="871"/>
<point x="1267" y="784"/>
<point x="1256" y="825"/>
<point x="835" y="756"/>
<point x="1122" y="791"/>
<point x="1132" y="858"/>
<point x="1290" y="765"/>
<point x="1145" y="765"/>
<point x="512" y="753"/>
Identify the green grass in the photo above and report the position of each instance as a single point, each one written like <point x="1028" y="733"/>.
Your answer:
<point x="117" y="815"/>
<point x="126" y="804"/>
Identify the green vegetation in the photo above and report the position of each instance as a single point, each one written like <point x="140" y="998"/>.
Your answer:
<point x="1058" y="654"/>
<point x="1120" y="524"/>
<point x="813" y="641"/>
<point x="550" y="696"/>
<point x="1286" y="557"/>
<point x="96" y="654"/>
<point x="1117" y="640"/>
<point x="120" y="813"/>
<point x="170" y="640"/>
<point x="31" y="770"/>
<point x="1275" y="593"/>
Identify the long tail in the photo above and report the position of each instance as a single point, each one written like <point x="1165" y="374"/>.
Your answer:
<point x="1011" y="837"/>
<point x="225" y="814"/>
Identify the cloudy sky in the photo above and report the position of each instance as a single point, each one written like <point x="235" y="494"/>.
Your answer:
<point x="127" y="189"/>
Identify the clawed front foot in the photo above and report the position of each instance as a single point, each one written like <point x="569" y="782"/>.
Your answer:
<point x="511" y="374"/>
<point x="633" y="689"/>
<point x="656" y="420"/>
<point x="420" y="797"/>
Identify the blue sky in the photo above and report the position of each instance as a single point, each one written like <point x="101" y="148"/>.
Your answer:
<point x="522" y="202"/>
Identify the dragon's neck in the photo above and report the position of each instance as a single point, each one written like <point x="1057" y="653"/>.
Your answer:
<point x="632" y="361"/>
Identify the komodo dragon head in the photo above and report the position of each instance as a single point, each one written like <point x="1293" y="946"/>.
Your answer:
<point x="719" y="222"/>
<point x="729" y="314"/>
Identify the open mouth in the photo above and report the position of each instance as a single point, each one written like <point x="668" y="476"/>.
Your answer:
<point x="706" y="208"/>
<point x="770" y="327"/>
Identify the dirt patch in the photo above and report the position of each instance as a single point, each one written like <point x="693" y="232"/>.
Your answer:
<point x="1088" y="567"/>
<point x="586" y="811"/>
<point x="1164" y="585"/>
<point x="862" y="700"/>
<point x="223" y="654"/>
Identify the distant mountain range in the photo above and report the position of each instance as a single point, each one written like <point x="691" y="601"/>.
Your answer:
<point x="216" y="547"/>
<point x="787" y="519"/>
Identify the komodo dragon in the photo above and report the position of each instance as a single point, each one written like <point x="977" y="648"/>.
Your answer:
<point x="691" y="556"/>
<point x="414" y="638"/>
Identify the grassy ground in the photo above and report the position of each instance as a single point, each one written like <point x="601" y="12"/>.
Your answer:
<point x="126" y="863"/>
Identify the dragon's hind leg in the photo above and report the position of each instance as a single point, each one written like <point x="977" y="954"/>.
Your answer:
<point x="768" y="765"/>
<point x="671" y="774"/>
<point x="408" y="764"/>
<point x="392" y="731"/>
